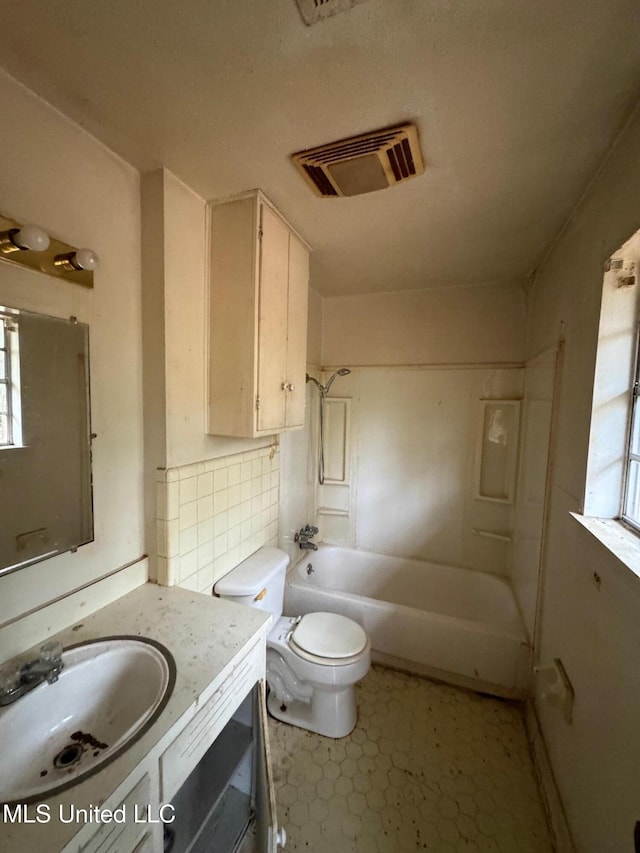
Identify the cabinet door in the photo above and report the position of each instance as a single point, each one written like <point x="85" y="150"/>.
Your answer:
<point x="272" y="321"/>
<point x="266" y="836"/>
<point x="297" y="302"/>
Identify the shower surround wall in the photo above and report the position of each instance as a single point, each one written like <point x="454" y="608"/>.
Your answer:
<point x="421" y="361"/>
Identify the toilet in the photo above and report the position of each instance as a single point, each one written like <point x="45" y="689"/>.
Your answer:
<point x="313" y="661"/>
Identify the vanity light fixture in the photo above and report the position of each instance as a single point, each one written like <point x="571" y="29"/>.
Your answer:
<point x="26" y="238"/>
<point x="29" y="246"/>
<point x="80" y="259"/>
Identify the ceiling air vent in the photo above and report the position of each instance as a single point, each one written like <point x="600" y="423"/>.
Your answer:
<point x="362" y="164"/>
<point x="313" y="11"/>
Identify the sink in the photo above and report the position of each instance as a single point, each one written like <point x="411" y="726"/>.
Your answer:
<point x="108" y="694"/>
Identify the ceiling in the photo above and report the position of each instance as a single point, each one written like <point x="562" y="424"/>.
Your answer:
<point x="516" y="104"/>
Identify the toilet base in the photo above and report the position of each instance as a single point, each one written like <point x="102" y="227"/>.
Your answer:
<point x="331" y="713"/>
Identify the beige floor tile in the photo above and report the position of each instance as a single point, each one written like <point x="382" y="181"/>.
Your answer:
<point x="428" y="767"/>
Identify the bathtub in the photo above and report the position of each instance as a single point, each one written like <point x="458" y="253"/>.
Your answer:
<point x="460" y="625"/>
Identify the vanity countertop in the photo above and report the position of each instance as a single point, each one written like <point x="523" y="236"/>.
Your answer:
<point x="207" y="636"/>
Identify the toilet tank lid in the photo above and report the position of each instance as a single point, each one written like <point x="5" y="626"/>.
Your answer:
<point x="251" y="575"/>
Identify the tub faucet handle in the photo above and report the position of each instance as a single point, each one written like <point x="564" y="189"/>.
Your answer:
<point x="310" y="530"/>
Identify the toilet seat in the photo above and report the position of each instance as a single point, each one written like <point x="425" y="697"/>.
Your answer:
<point x="328" y="636"/>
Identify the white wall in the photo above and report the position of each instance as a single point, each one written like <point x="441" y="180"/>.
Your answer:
<point x="593" y="627"/>
<point x="180" y="285"/>
<point x="58" y="176"/>
<point x="537" y="412"/>
<point x="420" y="363"/>
<point x="175" y="340"/>
<point x="438" y="326"/>
<point x="64" y="180"/>
<point x="298" y="449"/>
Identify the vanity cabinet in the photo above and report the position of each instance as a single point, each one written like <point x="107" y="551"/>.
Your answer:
<point x="258" y="298"/>
<point x="226" y="803"/>
<point x="198" y="780"/>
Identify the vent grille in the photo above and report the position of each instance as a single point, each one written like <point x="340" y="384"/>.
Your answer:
<point x="313" y="11"/>
<point x="362" y="164"/>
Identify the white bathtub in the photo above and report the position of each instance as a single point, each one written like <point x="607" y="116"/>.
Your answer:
<point x="456" y="624"/>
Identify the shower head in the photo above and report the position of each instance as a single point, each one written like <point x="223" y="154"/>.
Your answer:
<point x="342" y="372"/>
<point x="324" y="389"/>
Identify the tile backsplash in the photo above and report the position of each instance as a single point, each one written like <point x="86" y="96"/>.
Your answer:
<point x="211" y="515"/>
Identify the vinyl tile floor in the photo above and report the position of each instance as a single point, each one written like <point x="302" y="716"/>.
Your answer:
<point x="428" y="767"/>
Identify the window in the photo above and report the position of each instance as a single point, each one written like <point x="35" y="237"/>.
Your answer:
<point x="6" y="431"/>
<point x="10" y="421"/>
<point x="612" y="484"/>
<point x="631" y="499"/>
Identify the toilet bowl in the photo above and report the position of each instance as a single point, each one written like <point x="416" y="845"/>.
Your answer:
<point x="313" y="661"/>
<point x="313" y="664"/>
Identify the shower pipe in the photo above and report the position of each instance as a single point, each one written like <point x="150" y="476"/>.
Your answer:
<point x="323" y="391"/>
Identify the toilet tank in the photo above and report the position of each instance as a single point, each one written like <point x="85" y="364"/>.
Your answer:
<point x="258" y="581"/>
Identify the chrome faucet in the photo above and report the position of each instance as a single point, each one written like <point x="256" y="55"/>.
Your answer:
<point x="304" y="536"/>
<point x="46" y="667"/>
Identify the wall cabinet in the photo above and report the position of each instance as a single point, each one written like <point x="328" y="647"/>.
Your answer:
<point x="258" y="297"/>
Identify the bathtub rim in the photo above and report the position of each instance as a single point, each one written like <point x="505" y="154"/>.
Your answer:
<point x="471" y="624"/>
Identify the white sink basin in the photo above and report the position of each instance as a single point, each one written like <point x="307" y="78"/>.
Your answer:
<point x="107" y="695"/>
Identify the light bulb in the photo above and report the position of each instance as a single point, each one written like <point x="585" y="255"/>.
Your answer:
<point x="81" y="259"/>
<point x="31" y="237"/>
<point x="85" y="259"/>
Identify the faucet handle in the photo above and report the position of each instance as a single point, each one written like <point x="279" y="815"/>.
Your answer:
<point x="50" y="661"/>
<point x="51" y="653"/>
<point x="9" y="681"/>
<point x="310" y="530"/>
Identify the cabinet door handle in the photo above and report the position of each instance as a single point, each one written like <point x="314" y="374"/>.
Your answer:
<point x="287" y="386"/>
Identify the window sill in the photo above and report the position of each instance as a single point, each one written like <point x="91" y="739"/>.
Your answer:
<point x="623" y="543"/>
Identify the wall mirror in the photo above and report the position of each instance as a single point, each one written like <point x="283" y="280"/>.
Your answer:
<point x="46" y="503"/>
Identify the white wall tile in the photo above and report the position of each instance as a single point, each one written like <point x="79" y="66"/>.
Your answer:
<point x="190" y="583"/>
<point x="188" y="515"/>
<point x="205" y="507"/>
<point x="233" y="515"/>
<point x="205" y="484"/>
<point x="205" y="578"/>
<point x="188" y="564"/>
<point x="205" y="554"/>
<point x="205" y="531"/>
<point x="220" y="501"/>
<point x="188" y="490"/>
<point x="172" y="500"/>
<point x="220" y="523"/>
<point x="220" y="479"/>
<point x="220" y="545"/>
<point x="188" y="539"/>
<point x="233" y="536"/>
<point x="218" y="512"/>
<point x="234" y="494"/>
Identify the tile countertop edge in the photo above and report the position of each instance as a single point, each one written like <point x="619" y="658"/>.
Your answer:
<point x="207" y="638"/>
